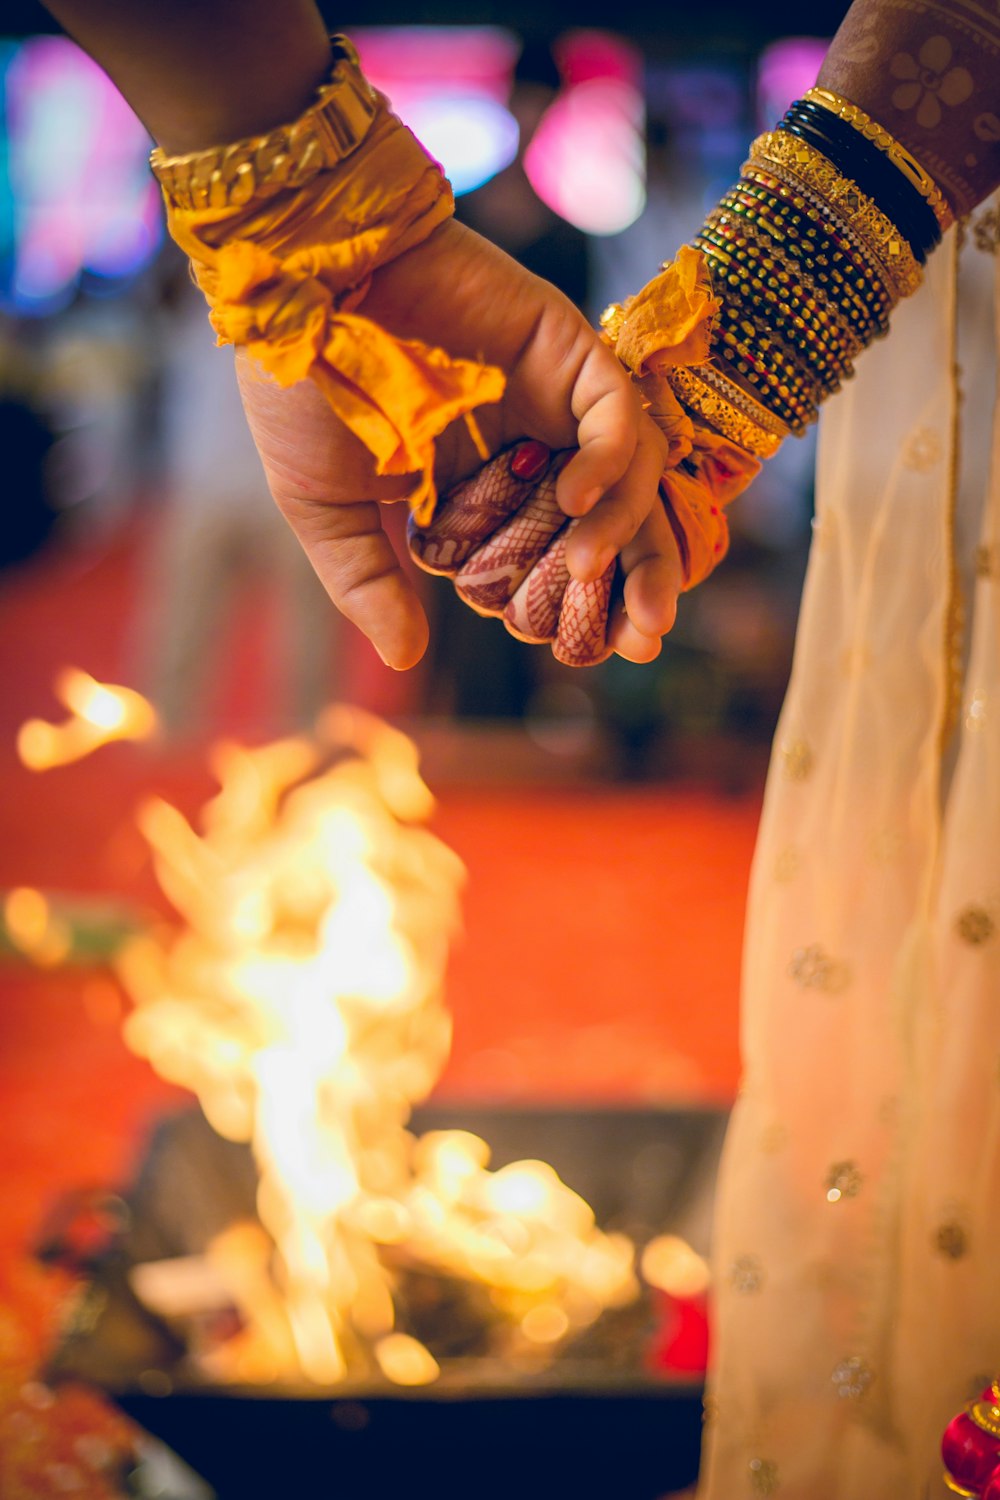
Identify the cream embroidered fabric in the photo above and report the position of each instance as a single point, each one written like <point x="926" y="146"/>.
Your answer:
<point x="858" y="1222"/>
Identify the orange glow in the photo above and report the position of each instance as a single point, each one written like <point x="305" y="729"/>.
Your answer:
<point x="668" y="1262"/>
<point x="99" y="712"/>
<point x="34" y="929"/>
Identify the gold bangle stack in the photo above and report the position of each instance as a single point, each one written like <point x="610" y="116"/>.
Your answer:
<point x="809" y="268"/>
<point x="901" y="158"/>
<point x="287" y="157"/>
<point x="876" y="231"/>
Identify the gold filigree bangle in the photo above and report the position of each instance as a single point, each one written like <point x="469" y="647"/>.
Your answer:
<point x="718" y="381"/>
<point x="875" y="229"/>
<point x="721" y="414"/>
<point x="916" y="175"/>
<point x="287" y="157"/>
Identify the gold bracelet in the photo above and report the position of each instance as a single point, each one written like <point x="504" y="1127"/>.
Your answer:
<point x="721" y="414"/>
<point x="287" y="157"/>
<point x="876" y="230"/>
<point x="718" y="381"/>
<point x="897" y="153"/>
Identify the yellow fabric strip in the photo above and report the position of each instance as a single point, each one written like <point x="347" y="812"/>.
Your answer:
<point x="283" y="276"/>
<point x="669" y="324"/>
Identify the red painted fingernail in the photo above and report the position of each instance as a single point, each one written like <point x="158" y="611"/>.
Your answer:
<point x="529" y="460"/>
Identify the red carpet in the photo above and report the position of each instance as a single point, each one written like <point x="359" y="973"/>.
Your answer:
<point x="600" y="961"/>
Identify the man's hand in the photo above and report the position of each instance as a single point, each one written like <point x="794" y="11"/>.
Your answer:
<point x="564" y="387"/>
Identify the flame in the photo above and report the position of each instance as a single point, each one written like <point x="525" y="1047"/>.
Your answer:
<point x="99" y="712"/>
<point x="301" y="998"/>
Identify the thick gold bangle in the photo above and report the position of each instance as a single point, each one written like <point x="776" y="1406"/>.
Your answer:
<point x="916" y="175"/>
<point x="718" y="381"/>
<point x="287" y="157"/>
<point x="721" y="414"/>
<point x="878" y="233"/>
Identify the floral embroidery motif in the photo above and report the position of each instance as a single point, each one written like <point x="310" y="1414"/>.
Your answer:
<point x="951" y="1240"/>
<point x="763" y="1476"/>
<point x="814" y="969"/>
<point x="797" y="760"/>
<point x="843" y="1181"/>
<point x="746" y="1274"/>
<point x="923" y="450"/>
<point x="986" y="231"/>
<point x="852" y="1377"/>
<point x="975" y="925"/>
<point x="928" y="81"/>
<point x="985" y="561"/>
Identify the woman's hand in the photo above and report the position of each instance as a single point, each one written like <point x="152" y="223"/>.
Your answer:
<point x="459" y="292"/>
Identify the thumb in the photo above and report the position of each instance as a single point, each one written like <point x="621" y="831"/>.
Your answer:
<point x="354" y="560"/>
<point x="323" y="481"/>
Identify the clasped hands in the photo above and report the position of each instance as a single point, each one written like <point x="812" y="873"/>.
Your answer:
<point x="591" y="561"/>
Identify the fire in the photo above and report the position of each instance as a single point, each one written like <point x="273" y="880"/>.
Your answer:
<point x="33" y="928"/>
<point x="301" y="998"/>
<point x="99" y="712"/>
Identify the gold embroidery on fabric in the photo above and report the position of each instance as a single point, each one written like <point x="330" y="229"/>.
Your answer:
<point x="797" y="760"/>
<point x="814" y="969"/>
<point x="975" y="925"/>
<point x="852" y="1377"/>
<point x="746" y="1274"/>
<point x="985" y="560"/>
<point x="951" y="1240"/>
<point x="843" y="1180"/>
<point x="923" y="450"/>
<point x="986" y="230"/>
<point x="764" y="1479"/>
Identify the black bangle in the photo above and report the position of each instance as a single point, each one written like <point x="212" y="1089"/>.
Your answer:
<point x="870" y="168"/>
<point x="874" y="173"/>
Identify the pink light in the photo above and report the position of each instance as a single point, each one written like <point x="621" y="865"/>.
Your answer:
<point x="83" y="195"/>
<point x="586" y="159"/>
<point x="785" y="70"/>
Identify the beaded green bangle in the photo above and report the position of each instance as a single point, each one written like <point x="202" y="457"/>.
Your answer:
<point x="796" y="197"/>
<point x="859" y="300"/>
<point x="826" y="369"/>
<point x="796" y="312"/>
<point x="804" y="296"/>
<point x="787" y="387"/>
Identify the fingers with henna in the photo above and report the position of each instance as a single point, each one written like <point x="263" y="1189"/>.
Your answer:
<point x="654" y="578"/>
<point x="618" y="517"/>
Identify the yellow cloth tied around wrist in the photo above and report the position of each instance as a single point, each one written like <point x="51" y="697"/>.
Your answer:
<point x="284" y="273"/>
<point x="668" y="324"/>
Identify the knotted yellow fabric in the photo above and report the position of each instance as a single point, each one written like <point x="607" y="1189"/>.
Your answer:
<point x="284" y="274"/>
<point x="667" y="324"/>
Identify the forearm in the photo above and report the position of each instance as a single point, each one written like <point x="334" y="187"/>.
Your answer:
<point x="931" y="77"/>
<point x="200" y="73"/>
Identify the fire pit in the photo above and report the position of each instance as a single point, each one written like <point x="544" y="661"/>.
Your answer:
<point x="316" y="1286"/>
<point x="605" y="1416"/>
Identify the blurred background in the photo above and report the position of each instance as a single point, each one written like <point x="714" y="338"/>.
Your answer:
<point x="605" y="817"/>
